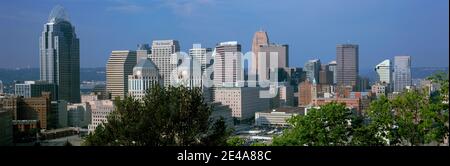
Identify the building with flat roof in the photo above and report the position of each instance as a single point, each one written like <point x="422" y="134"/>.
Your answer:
<point x="79" y="115"/>
<point x="35" y="88"/>
<point x="100" y="111"/>
<point x="243" y="101"/>
<point x="347" y="64"/>
<point x="120" y="65"/>
<point x="352" y="103"/>
<point x="164" y="55"/>
<point x="278" y="116"/>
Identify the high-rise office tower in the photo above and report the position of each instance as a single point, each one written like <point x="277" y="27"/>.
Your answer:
<point x="60" y="55"/>
<point x="312" y="68"/>
<point x="402" y="73"/>
<point x="384" y="71"/>
<point x="142" y="52"/>
<point x="201" y="55"/>
<point x="282" y="51"/>
<point x="164" y="57"/>
<point x="347" y="64"/>
<point x="227" y="63"/>
<point x="305" y="93"/>
<point x="202" y="58"/>
<point x="332" y="68"/>
<point x="260" y="38"/>
<point x="1" y="87"/>
<point x="120" y="65"/>
<point x="145" y="75"/>
<point x="325" y="75"/>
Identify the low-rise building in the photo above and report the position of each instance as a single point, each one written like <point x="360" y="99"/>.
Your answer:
<point x="352" y="103"/>
<point x="79" y="115"/>
<point x="100" y="111"/>
<point x="277" y="117"/>
<point x="243" y="101"/>
<point x="379" y="89"/>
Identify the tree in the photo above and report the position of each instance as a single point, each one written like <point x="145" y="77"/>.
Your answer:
<point x="331" y="125"/>
<point x="235" y="141"/>
<point x="412" y="118"/>
<point x="172" y="116"/>
<point x="382" y="126"/>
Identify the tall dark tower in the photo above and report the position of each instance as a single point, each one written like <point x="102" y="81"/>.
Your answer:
<point x="347" y="65"/>
<point x="60" y="56"/>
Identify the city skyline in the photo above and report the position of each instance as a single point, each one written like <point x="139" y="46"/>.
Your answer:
<point x="395" y="34"/>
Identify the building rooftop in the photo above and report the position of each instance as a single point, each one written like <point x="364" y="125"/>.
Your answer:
<point x="58" y="14"/>
<point x="146" y="63"/>
<point x="298" y="110"/>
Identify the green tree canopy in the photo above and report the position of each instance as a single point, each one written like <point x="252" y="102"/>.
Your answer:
<point x="331" y="125"/>
<point x="172" y="116"/>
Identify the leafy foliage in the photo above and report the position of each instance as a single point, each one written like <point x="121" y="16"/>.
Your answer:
<point x="412" y="118"/>
<point x="331" y="125"/>
<point x="235" y="141"/>
<point x="173" y="116"/>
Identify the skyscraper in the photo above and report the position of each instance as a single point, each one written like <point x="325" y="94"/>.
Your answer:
<point x="384" y="71"/>
<point x="305" y="93"/>
<point x="402" y="73"/>
<point x="227" y="63"/>
<point x="163" y="55"/>
<point x="325" y="75"/>
<point x="332" y="68"/>
<point x="282" y="51"/>
<point x="312" y="68"/>
<point x="60" y="55"/>
<point x="347" y="64"/>
<point x="202" y="57"/>
<point x="260" y="38"/>
<point x="1" y="87"/>
<point x="145" y="75"/>
<point x="142" y="52"/>
<point x="120" y="65"/>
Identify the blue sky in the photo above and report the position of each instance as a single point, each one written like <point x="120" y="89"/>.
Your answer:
<point x="312" y="28"/>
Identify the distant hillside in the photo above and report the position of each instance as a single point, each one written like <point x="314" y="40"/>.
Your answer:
<point x="86" y="74"/>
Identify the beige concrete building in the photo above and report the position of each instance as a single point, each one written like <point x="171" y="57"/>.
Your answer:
<point x="119" y="66"/>
<point x="272" y="56"/>
<point x="100" y="110"/>
<point x="228" y="64"/>
<point x="260" y="38"/>
<point x="244" y="101"/>
<point x="165" y="59"/>
<point x="379" y="89"/>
